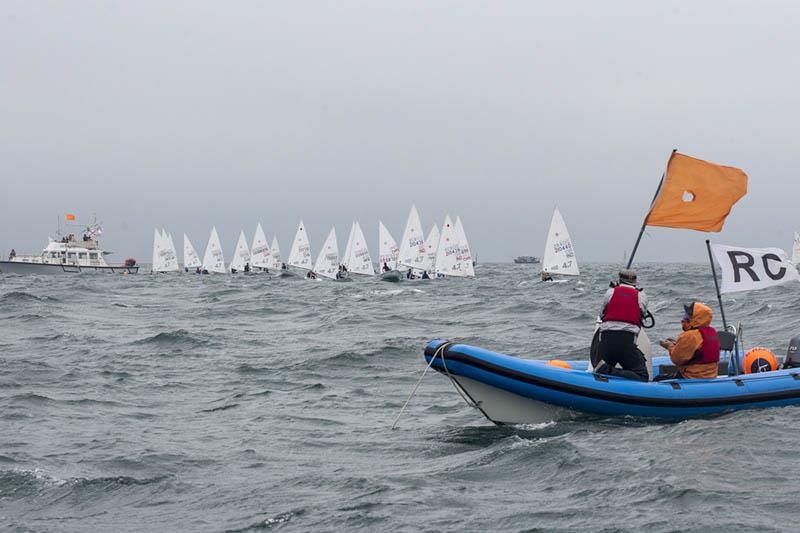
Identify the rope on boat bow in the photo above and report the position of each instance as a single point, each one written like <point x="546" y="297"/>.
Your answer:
<point x="439" y="352"/>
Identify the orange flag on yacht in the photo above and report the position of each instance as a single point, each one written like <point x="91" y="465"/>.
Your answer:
<point x="70" y="216"/>
<point x="696" y="194"/>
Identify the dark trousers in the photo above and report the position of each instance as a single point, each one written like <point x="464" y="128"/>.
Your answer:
<point x="619" y="347"/>
<point x="674" y="374"/>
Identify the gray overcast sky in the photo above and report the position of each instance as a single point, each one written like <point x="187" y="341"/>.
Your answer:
<point x="188" y="114"/>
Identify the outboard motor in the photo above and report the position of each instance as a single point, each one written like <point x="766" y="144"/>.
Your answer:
<point x="793" y="353"/>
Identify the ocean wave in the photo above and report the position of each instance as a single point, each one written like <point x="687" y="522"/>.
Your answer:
<point x="20" y="296"/>
<point x="17" y="483"/>
<point x="179" y="338"/>
<point x="270" y="522"/>
<point x="220" y="408"/>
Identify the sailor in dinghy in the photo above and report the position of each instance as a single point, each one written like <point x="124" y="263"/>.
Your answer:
<point x="387" y="255"/>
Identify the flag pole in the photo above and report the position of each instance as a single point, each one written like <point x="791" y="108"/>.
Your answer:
<point x="716" y="285"/>
<point x="644" y="224"/>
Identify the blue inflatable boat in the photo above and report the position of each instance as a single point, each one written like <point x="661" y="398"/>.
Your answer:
<point x="511" y="390"/>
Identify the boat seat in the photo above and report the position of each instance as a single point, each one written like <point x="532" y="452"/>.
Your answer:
<point x="722" y="369"/>
<point x="727" y="341"/>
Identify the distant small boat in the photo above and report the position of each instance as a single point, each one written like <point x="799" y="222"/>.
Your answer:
<point x="526" y="260"/>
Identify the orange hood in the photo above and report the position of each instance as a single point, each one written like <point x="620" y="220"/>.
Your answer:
<point x="701" y="316"/>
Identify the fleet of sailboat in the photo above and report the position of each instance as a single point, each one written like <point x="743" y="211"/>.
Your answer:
<point x="443" y="253"/>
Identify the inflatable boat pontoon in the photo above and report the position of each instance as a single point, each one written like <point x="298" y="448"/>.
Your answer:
<point x="510" y="390"/>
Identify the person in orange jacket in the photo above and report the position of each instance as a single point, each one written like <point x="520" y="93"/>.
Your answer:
<point x="696" y="351"/>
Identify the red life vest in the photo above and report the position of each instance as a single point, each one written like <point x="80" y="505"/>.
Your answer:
<point x="624" y="306"/>
<point x="709" y="351"/>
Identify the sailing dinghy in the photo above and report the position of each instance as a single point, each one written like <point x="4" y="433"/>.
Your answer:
<point x="452" y="255"/>
<point x="431" y="246"/>
<point x="387" y="255"/>
<point x="327" y="264"/>
<point x="356" y="256"/>
<point x="300" y="254"/>
<point x="164" y="256"/>
<point x="275" y="262"/>
<point x="412" y="255"/>
<point x="213" y="259"/>
<point x="796" y="249"/>
<point x="190" y="258"/>
<point x="559" y="254"/>
<point x="260" y="255"/>
<point x="241" y="257"/>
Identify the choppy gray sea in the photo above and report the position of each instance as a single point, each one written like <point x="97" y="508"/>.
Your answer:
<point x="220" y="403"/>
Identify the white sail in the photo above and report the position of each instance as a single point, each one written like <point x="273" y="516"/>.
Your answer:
<point x="275" y="254"/>
<point x="349" y="246"/>
<point x="387" y="248"/>
<point x="357" y="260"/>
<point x="172" y="258"/>
<point x="158" y="262"/>
<point x="796" y="249"/>
<point x="242" y="254"/>
<point x="447" y="262"/>
<point x="300" y="255"/>
<point x="327" y="264"/>
<point x="412" y="245"/>
<point x="260" y="255"/>
<point x="559" y="255"/>
<point x="431" y="246"/>
<point x="164" y="256"/>
<point x="190" y="257"/>
<point x="465" y="255"/>
<point x="213" y="259"/>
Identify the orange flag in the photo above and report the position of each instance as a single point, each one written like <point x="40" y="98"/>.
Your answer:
<point x="70" y="216"/>
<point x="696" y="194"/>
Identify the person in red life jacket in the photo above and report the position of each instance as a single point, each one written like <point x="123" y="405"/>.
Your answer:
<point x="696" y="351"/>
<point x="624" y="305"/>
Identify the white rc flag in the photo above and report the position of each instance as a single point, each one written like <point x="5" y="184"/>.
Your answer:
<point x="747" y="269"/>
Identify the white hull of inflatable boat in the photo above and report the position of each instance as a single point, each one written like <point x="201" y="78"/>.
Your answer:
<point x="503" y="407"/>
